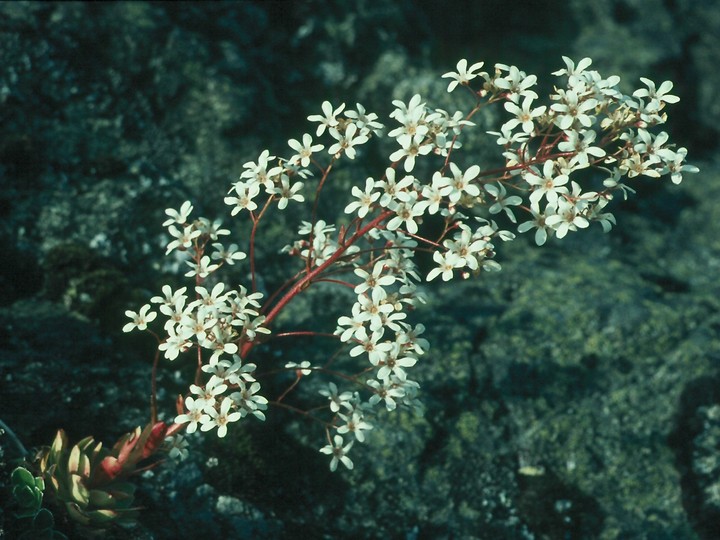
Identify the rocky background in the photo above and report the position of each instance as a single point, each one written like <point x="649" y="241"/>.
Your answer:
<point x="574" y="395"/>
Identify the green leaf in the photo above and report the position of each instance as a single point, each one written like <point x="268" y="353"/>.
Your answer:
<point x="84" y="466"/>
<point x="102" y="516"/>
<point x="74" y="460"/>
<point x="85" y="443"/>
<point x="76" y="513"/>
<point x="29" y="500"/>
<point x="97" y="453"/>
<point x="59" y="443"/>
<point x="78" y="490"/>
<point x="22" y="476"/>
<point x="55" y="483"/>
<point x="121" y="489"/>
<point x="24" y="495"/>
<point x="102" y="499"/>
<point x="44" y="519"/>
<point x="39" y="483"/>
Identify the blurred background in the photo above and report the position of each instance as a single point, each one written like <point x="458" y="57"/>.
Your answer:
<point x="573" y="395"/>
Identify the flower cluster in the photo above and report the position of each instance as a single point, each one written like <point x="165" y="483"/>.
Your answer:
<point x="214" y="320"/>
<point x="588" y="125"/>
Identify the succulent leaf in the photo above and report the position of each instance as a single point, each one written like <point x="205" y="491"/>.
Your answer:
<point x="40" y="483"/>
<point x="28" y="501"/>
<point x="44" y="520"/>
<point x="27" y="491"/>
<point x="74" y="460"/>
<point x="76" y="513"/>
<point x="102" y="499"/>
<point x="59" y="443"/>
<point x="87" y="478"/>
<point x="22" y="476"/>
<point x="103" y="516"/>
<point x="80" y="493"/>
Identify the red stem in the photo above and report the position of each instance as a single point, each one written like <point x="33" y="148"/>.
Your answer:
<point x="312" y="274"/>
<point x="153" y="389"/>
<point x="255" y="221"/>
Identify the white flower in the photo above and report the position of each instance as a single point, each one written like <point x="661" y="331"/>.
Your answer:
<point x="346" y="141"/>
<point x="432" y="198"/>
<point x="207" y="395"/>
<point x="568" y="218"/>
<point x="174" y="344"/>
<point x="258" y="173"/>
<point x="581" y="147"/>
<point x="572" y="110"/>
<point x="183" y="239"/>
<point x="373" y="279"/>
<point x="606" y="220"/>
<point x="574" y="73"/>
<point x="212" y="230"/>
<point x="412" y="120"/>
<point x="327" y="119"/>
<point x="394" y="190"/>
<point x="353" y="324"/>
<point x="409" y="338"/>
<point x="211" y="302"/>
<point x="646" y="143"/>
<point x="227" y="255"/>
<point x="471" y="249"/>
<point x="286" y="192"/>
<point x="463" y="74"/>
<point x="195" y="324"/>
<point x="238" y="372"/>
<point x="505" y="137"/>
<point x="195" y="414"/>
<point x="179" y="217"/>
<point x="221" y="369"/>
<point x="220" y="342"/>
<point x="369" y="344"/>
<point x="523" y="115"/>
<point x="406" y="214"/>
<point x="412" y="147"/>
<point x="202" y="269"/>
<point x="336" y="400"/>
<point x="454" y="188"/>
<point x="387" y="390"/>
<point x="171" y="298"/>
<point x="221" y="418"/>
<point x="338" y="452"/>
<point x="304" y="150"/>
<point x="365" y="199"/>
<point x="394" y="363"/>
<point x="355" y="424"/>
<point x="139" y="320"/>
<point x="516" y="83"/>
<point x="657" y="96"/>
<point x="254" y="327"/>
<point x="244" y="200"/>
<point x="502" y="201"/>
<point x="546" y="185"/>
<point x="538" y="222"/>
<point x="364" y="120"/>
<point x="177" y="447"/>
<point x="402" y="111"/>
<point x="447" y="262"/>
<point x="674" y="162"/>
<point x="304" y="367"/>
<point x="249" y="401"/>
<point x="635" y="165"/>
